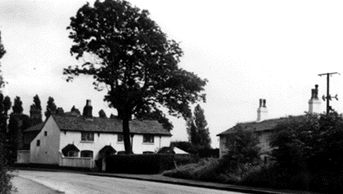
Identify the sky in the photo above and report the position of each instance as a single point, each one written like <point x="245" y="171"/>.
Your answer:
<point x="247" y="50"/>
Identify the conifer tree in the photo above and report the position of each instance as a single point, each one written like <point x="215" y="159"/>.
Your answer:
<point x="50" y="107"/>
<point x="197" y="129"/>
<point x="36" y="111"/>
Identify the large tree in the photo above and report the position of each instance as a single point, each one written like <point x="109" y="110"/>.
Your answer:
<point x="197" y="129"/>
<point x="127" y="53"/>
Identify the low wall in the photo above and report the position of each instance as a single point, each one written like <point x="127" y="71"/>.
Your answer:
<point x="76" y="162"/>
<point x="23" y="157"/>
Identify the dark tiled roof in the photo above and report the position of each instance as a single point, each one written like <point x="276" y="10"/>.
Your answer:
<point x="96" y="124"/>
<point x="265" y="125"/>
<point x="37" y="127"/>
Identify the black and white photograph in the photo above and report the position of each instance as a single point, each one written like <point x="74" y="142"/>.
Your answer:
<point x="161" y="96"/>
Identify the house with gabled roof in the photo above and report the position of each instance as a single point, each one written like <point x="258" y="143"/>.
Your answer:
<point x="69" y="139"/>
<point x="263" y="126"/>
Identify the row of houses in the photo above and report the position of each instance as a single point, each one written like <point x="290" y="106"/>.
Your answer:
<point x="264" y="126"/>
<point x="75" y="140"/>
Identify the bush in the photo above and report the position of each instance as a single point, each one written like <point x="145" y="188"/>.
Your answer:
<point x="206" y="170"/>
<point x="307" y="151"/>
<point x="5" y="178"/>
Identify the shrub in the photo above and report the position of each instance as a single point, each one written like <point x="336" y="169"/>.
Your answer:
<point x="5" y="178"/>
<point x="206" y="169"/>
<point x="243" y="152"/>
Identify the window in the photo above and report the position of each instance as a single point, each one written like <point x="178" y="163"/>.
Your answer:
<point x="87" y="136"/>
<point x="120" y="138"/>
<point x="38" y="143"/>
<point x="87" y="154"/>
<point x="45" y="133"/>
<point x="148" y="139"/>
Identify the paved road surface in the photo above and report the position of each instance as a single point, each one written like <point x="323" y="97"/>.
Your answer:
<point x="73" y="183"/>
<point x="27" y="186"/>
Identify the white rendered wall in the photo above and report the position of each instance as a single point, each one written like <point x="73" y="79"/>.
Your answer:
<point x="47" y="151"/>
<point x="138" y="146"/>
<point x="100" y="140"/>
<point x="103" y="139"/>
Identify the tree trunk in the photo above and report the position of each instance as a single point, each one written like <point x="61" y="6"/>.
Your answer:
<point x="126" y="133"/>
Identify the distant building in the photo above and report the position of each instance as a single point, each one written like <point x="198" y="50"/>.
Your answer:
<point x="69" y="139"/>
<point x="264" y="126"/>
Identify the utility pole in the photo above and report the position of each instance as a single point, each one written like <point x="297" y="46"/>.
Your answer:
<point x="328" y="97"/>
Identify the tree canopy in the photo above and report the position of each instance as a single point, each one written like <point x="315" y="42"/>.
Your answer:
<point x="310" y="142"/>
<point x="18" y="106"/>
<point x="50" y="107"/>
<point x="36" y="103"/>
<point x="127" y="53"/>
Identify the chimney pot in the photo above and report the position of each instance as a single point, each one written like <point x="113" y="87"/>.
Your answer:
<point x="262" y="111"/>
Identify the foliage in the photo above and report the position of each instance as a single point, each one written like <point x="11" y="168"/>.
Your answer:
<point x="127" y="53"/>
<point x="243" y="151"/>
<point x="5" y="105"/>
<point x="2" y="48"/>
<point x="311" y="145"/>
<point x="18" y="122"/>
<point x="197" y="129"/>
<point x="18" y="106"/>
<point x="34" y="109"/>
<point x="206" y="169"/>
<point x="36" y="103"/>
<point x="51" y="107"/>
<point x="102" y="114"/>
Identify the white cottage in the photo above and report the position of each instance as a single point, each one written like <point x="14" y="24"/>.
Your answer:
<point x="264" y="126"/>
<point x="74" y="140"/>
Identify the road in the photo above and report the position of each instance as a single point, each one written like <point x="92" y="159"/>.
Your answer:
<point x="74" y="183"/>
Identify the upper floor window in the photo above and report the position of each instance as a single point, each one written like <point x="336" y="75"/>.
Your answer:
<point x="87" y="136"/>
<point x="38" y="143"/>
<point x="148" y="139"/>
<point x="120" y="138"/>
<point x="45" y="133"/>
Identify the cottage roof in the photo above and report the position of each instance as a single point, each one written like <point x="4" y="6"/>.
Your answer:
<point x="106" y="125"/>
<point x="37" y="128"/>
<point x="265" y="125"/>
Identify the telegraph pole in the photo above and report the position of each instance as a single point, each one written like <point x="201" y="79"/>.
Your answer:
<point x="328" y="97"/>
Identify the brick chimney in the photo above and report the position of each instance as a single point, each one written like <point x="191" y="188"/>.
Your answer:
<point x="262" y="111"/>
<point x="87" y="110"/>
<point x="314" y="102"/>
